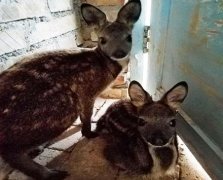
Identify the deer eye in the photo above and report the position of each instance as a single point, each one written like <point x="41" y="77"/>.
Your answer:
<point x="129" y="38"/>
<point x="102" y="40"/>
<point x="172" y="123"/>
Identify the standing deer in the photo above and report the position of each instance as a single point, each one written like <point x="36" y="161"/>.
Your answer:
<point x="42" y="95"/>
<point x="140" y="134"/>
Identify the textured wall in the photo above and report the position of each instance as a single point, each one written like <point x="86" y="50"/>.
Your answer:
<point x="28" y="26"/>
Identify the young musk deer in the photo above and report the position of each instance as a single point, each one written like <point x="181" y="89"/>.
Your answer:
<point x="42" y="95"/>
<point x="140" y="134"/>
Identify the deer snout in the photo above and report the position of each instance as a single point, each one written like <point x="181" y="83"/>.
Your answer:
<point x="158" y="142"/>
<point x="119" y="54"/>
<point x="158" y="139"/>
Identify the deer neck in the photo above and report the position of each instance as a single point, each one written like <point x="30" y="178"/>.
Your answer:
<point x="113" y="67"/>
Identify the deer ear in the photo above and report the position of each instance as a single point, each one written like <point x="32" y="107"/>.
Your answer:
<point x="129" y="13"/>
<point x="176" y="95"/>
<point x="138" y="95"/>
<point x="92" y="15"/>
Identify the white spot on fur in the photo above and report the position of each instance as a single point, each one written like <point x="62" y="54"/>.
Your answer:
<point x="37" y="125"/>
<point x="74" y="87"/>
<point x="44" y="75"/>
<point x="81" y="79"/>
<point x="36" y="112"/>
<point x="47" y="66"/>
<point x="71" y="100"/>
<point x="13" y="97"/>
<point x="34" y="73"/>
<point x="49" y="92"/>
<point x="5" y="111"/>
<point x="58" y="85"/>
<point x="92" y="72"/>
<point x="20" y="87"/>
<point x="55" y="89"/>
<point x="45" y="94"/>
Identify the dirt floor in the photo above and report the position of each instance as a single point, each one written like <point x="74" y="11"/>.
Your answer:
<point x="83" y="158"/>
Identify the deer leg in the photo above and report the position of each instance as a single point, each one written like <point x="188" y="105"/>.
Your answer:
<point x="25" y="164"/>
<point x="85" y="116"/>
<point x="35" y="152"/>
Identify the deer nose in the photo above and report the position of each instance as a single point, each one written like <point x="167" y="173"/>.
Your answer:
<point x="158" y="139"/>
<point x="119" y="54"/>
<point x="159" y="142"/>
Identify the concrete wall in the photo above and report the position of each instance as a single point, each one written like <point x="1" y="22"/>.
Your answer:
<point x="28" y="26"/>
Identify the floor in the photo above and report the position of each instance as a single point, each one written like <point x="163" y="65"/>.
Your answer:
<point x="66" y="153"/>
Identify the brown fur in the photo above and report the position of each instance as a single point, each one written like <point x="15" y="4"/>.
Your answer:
<point x="42" y="95"/>
<point x="36" y="98"/>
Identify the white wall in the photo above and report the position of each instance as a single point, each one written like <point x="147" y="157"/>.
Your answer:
<point x="28" y="26"/>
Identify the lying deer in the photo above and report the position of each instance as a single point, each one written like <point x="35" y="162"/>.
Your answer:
<point x="140" y="134"/>
<point x="43" y="94"/>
